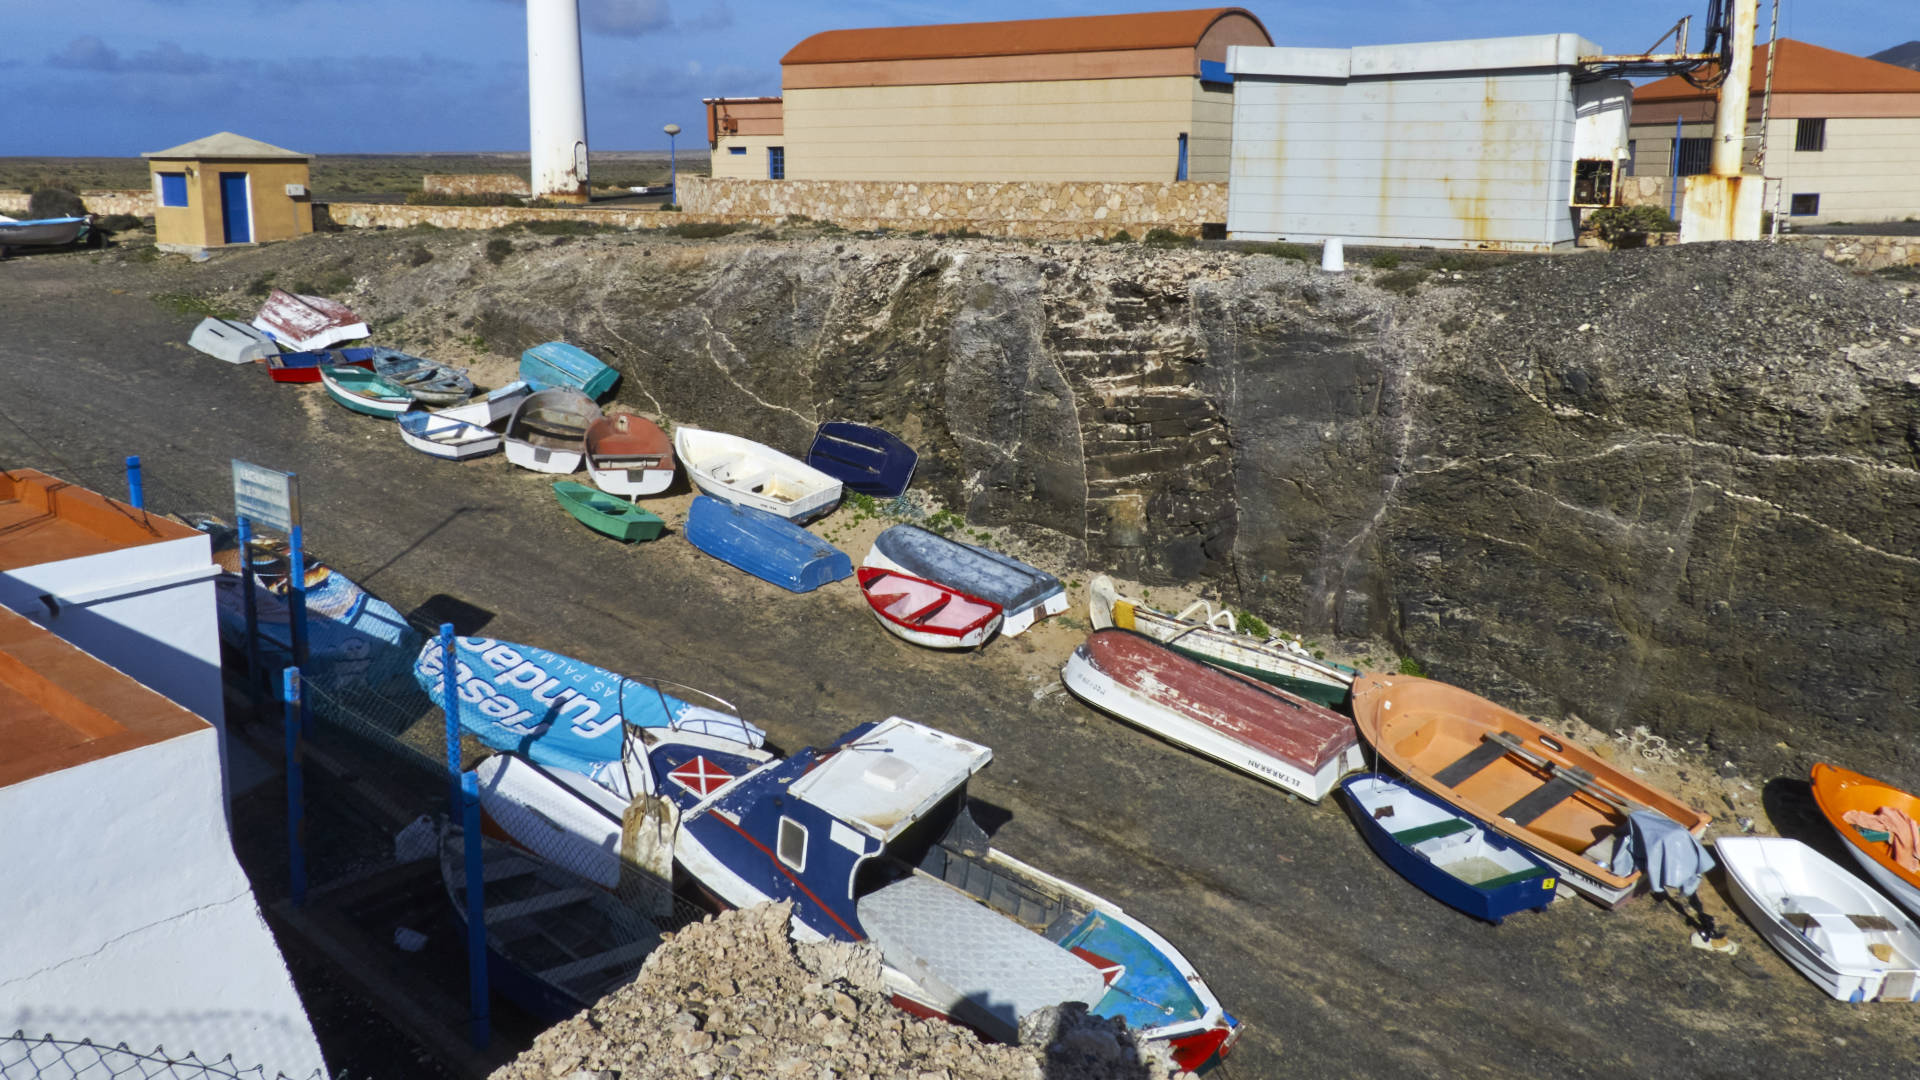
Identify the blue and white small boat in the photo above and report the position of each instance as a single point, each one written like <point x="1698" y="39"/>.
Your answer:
<point x="1454" y="858"/>
<point x="558" y="364"/>
<point x="864" y="459"/>
<point x="765" y="545"/>
<point x="1023" y="592"/>
<point x="463" y="431"/>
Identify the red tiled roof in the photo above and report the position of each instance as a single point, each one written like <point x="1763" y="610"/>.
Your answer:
<point x="1803" y="69"/>
<point x="1023" y="37"/>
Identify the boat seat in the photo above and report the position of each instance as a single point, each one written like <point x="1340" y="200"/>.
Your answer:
<point x="1517" y="876"/>
<point x="1541" y="799"/>
<point x="1472" y="763"/>
<point x="1448" y="827"/>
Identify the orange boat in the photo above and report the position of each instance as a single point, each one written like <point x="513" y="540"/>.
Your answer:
<point x="1840" y="790"/>
<point x="1565" y="804"/>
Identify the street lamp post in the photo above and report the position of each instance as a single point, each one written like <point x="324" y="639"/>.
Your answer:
<point x="673" y="167"/>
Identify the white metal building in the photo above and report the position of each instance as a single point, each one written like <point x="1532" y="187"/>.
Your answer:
<point x="1467" y="144"/>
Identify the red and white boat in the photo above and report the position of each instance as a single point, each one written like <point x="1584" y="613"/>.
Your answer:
<point x="305" y="323"/>
<point x="1258" y="729"/>
<point x="927" y="612"/>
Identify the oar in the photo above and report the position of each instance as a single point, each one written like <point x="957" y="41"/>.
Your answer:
<point x="1579" y="778"/>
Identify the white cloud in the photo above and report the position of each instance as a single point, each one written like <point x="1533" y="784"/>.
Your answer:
<point x="625" y="18"/>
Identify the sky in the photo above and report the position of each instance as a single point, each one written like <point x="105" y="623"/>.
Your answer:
<point x="117" y="77"/>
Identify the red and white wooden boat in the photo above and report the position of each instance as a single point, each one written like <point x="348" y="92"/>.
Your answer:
<point x="1259" y="729"/>
<point x="927" y="612"/>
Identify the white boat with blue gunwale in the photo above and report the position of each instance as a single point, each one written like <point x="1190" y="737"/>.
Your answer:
<point x="464" y="431"/>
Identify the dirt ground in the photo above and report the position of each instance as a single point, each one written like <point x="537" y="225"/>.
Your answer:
<point x="1338" y="966"/>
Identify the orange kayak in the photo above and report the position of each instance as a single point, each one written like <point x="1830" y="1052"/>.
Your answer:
<point x="1525" y="782"/>
<point x="1840" y="790"/>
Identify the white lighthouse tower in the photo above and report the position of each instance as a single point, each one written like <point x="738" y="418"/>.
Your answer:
<point x="556" y="100"/>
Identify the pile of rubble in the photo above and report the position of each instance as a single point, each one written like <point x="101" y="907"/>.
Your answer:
<point x="733" y="996"/>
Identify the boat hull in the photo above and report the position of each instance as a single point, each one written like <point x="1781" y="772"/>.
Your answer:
<point x="1769" y="875"/>
<point x="44" y="232"/>
<point x="971" y="630"/>
<point x="867" y="460"/>
<point x="386" y="408"/>
<point x="548" y="429"/>
<point x="1837" y="791"/>
<point x="232" y="341"/>
<point x="1101" y="690"/>
<point x="558" y="364"/>
<point x="606" y="515"/>
<point x="765" y="545"/>
<point x="629" y="456"/>
<point x="304" y="323"/>
<point x="1025" y="594"/>
<point x="747" y="473"/>
<point x="1421" y="868"/>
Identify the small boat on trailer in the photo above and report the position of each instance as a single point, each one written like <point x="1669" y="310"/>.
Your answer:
<point x="765" y="545"/>
<point x="1261" y="730"/>
<point x="864" y="459"/>
<point x="927" y="612"/>
<point x="464" y="431"/>
<point x="548" y="430"/>
<point x="1564" y="804"/>
<point x="303" y="323"/>
<point x="304" y="367"/>
<point x="556" y="944"/>
<point x="1213" y="637"/>
<point x="429" y="381"/>
<point x="629" y="456"/>
<point x="364" y="392"/>
<point x="751" y="474"/>
<point x="233" y="341"/>
<point x="1450" y="856"/>
<point x="1023" y="592"/>
<point x="45" y="232"/>
<point x="870" y="839"/>
<point x="1832" y="927"/>
<point x="1840" y="792"/>
<point x="605" y="514"/>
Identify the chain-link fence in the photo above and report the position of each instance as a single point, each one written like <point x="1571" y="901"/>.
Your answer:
<point x="24" y="1057"/>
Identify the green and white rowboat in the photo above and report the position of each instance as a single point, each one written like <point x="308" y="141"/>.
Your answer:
<point x="1211" y="637"/>
<point x="364" y="392"/>
<point x="603" y="513"/>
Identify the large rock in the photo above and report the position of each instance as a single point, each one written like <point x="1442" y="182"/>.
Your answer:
<point x="1675" y="487"/>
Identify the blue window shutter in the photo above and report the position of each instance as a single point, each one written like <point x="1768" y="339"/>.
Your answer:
<point x="737" y="150"/>
<point x="1180" y="170"/>
<point x="1214" y="71"/>
<point x="173" y="189"/>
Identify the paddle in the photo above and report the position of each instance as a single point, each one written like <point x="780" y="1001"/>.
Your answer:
<point x="1579" y="778"/>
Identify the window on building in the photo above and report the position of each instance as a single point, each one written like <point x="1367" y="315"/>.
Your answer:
<point x="173" y="189"/>
<point x="793" y="844"/>
<point x="1695" y="156"/>
<point x="776" y="163"/>
<point x="1180" y="167"/>
<point x="741" y="150"/>
<point x="1804" y="206"/>
<point x="1633" y="151"/>
<point x="1811" y="136"/>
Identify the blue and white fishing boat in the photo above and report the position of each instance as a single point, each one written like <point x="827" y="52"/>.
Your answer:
<point x="870" y="839"/>
<point x="1023" y="592"/>
<point x="463" y="431"/>
<point x="1452" y="857"/>
<point x="765" y="545"/>
<point x="558" y="364"/>
<point x="865" y="459"/>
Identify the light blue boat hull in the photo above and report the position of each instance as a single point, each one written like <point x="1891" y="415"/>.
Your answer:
<point x="557" y="363"/>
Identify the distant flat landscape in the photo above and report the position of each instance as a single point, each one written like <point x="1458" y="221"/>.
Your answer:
<point x="353" y="175"/>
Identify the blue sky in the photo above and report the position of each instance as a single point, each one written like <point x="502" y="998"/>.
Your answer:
<point x="116" y="77"/>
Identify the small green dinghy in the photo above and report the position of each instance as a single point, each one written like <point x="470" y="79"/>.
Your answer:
<point x="603" y="513"/>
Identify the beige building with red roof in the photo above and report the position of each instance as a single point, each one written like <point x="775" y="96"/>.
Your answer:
<point x="1136" y="97"/>
<point x="1843" y="133"/>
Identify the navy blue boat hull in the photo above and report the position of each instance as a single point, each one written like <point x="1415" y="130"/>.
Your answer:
<point x="765" y="545"/>
<point x="1492" y="905"/>
<point x="864" y="459"/>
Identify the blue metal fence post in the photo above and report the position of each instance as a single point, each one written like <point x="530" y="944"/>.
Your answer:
<point x="136" y="493"/>
<point x="297" y="594"/>
<point x="1673" y="170"/>
<point x="476" y="913"/>
<point x="296" y="788"/>
<point x="450" y="705"/>
<point x="254" y="672"/>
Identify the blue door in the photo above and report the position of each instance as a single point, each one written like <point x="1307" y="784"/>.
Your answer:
<point x="236" y="217"/>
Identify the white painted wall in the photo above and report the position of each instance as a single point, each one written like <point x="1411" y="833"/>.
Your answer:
<point x="148" y="611"/>
<point x="1448" y="144"/>
<point x="129" y="919"/>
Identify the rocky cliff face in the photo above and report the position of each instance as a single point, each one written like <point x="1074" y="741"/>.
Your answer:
<point x="1678" y="487"/>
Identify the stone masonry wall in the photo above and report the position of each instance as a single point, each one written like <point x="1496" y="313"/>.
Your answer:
<point x="1054" y="210"/>
<point x="137" y="202"/>
<point x="1864" y="252"/>
<point x="399" y="216"/>
<point x="474" y="184"/>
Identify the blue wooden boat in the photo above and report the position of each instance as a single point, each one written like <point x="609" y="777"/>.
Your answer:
<point x="1023" y="592"/>
<point x="864" y="459"/>
<point x="765" y="545"/>
<point x="1453" y="858"/>
<point x="557" y="363"/>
